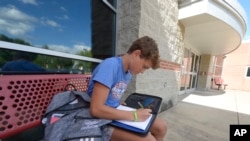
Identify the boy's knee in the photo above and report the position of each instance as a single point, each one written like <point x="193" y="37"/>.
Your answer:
<point x="162" y="129"/>
<point x="159" y="129"/>
<point x="149" y="137"/>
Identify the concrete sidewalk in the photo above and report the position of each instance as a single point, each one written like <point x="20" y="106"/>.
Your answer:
<point x="206" y="116"/>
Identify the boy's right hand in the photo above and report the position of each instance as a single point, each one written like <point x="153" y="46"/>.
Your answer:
<point x="143" y="114"/>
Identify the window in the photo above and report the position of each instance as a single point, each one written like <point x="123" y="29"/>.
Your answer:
<point x="79" y="28"/>
<point x="248" y="72"/>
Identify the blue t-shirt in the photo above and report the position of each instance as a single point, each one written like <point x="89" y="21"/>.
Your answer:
<point x="110" y="73"/>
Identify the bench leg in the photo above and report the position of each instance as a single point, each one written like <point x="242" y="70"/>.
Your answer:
<point x="225" y="87"/>
<point x="219" y="87"/>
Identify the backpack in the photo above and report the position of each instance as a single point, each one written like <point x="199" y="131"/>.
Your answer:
<point x="68" y="118"/>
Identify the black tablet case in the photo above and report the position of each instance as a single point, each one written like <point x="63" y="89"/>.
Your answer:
<point x="148" y="101"/>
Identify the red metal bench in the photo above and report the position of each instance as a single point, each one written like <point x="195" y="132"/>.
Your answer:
<point x="24" y="98"/>
<point x="219" y="82"/>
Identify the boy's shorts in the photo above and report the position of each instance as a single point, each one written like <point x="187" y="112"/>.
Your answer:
<point x="107" y="132"/>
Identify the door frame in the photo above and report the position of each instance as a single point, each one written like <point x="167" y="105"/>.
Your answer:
<point x="189" y="71"/>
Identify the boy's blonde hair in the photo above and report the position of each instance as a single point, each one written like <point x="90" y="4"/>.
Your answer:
<point x="148" y="48"/>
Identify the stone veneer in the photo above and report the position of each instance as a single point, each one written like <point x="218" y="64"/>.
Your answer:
<point x="159" y="20"/>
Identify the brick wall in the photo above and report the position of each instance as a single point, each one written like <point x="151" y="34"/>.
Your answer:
<point x="235" y="66"/>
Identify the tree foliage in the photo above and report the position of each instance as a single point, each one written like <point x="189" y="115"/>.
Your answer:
<point x="45" y="61"/>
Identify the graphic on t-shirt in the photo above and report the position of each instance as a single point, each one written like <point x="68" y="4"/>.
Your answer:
<point x="119" y="89"/>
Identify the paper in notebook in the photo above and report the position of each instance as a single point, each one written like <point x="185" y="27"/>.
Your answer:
<point x="141" y="125"/>
<point x="135" y="101"/>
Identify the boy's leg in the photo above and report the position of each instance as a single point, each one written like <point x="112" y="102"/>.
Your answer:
<point x="159" y="129"/>
<point x="123" y="135"/>
<point x="157" y="133"/>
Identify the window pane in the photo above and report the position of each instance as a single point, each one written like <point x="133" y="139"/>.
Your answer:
<point x="60" y="25"/>
<point x="196" y="63"/>
<point x="188" y="81"/>
<point x="30" y="63"/>
<point x="103" y="30"/>
<point x="193" y="81"/>
<point x="192" y="59"/>
<point x="76" y="27"/>
<point x="248" y="72"/>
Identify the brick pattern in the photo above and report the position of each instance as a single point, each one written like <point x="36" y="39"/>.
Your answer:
<point x="235" y="67"/>
<point x="170" y="65"/>
<point x="248" y="45"/>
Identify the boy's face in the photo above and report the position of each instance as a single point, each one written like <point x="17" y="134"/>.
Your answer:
<point x="138" y="64"/>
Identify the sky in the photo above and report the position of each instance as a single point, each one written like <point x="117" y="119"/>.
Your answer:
<point x="246" y="5"/>
<point x="61" y="24"/>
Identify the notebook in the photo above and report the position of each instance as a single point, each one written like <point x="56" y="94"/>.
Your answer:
<point x="136" y="101"/>
<point x="141" y="125"/>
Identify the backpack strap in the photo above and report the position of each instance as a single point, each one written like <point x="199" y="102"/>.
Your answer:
<point x="68" y="100"/>
<point x="59" y="100"/>
<point x="83" y="95"/>
<point x="68" y="86"/>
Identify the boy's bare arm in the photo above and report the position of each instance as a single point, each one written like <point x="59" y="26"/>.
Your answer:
<point x="100" y="110"/>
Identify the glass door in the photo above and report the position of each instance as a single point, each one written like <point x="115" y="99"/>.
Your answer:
<point x="189" y="72"/>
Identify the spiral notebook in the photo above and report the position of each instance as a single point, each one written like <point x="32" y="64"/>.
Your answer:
<point x="136" y="101"/>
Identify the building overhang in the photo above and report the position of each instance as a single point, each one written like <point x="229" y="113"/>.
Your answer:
<point x="211" y="26"/>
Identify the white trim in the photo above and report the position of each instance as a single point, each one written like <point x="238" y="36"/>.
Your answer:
<point x="245" y="41"/>
<point x="246" y="72"/>
<point x="25" y="48"/>
<point x="192" y="48"/>
<point x="237" y="11"/>
<point x="109" y="5"/>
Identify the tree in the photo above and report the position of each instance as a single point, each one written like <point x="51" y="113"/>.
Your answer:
<point x="7" y="55"/>
<point x="85" y="65"/>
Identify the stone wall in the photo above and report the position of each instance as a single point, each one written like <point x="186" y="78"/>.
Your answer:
<point x="158" y="19"/>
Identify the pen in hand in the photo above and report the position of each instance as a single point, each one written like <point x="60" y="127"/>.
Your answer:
<point x="141" y="106"/>
<point x="142" y="113"/>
